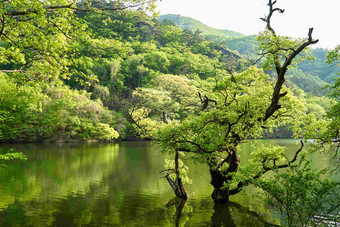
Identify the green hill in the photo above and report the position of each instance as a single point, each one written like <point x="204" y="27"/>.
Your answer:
<point x="245" y="45"/>
<point x="193" y="25"/>
<point x="311" y="76"/>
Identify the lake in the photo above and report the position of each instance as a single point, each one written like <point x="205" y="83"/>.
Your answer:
<point x="93" y="184"/>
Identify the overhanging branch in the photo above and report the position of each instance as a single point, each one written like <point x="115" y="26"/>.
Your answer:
<point x="265" y="170"/>
<point x="72" y="6"/>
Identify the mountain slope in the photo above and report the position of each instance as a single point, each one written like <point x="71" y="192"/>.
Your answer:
<point x="192" y="24"/>
<point x="311" y="76"/>
<point x="245" y="45"/>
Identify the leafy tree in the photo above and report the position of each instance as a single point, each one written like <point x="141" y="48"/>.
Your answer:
<point x="241" y="106"/>
<point x="171" y="97"/>
<point x="38" y="38"/>
<point x="302" y="196"/>
<point x="170" y="34"/>
<point x="135" y="73"/>
<point x="76" y="116"/>
<point x="17" y="108"/>
<point x="29" y="113"/>
<point x="157" y="61"/>
<point x="331" y="137"/>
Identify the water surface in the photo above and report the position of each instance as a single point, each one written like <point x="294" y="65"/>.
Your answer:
<point x="116" y="185"/>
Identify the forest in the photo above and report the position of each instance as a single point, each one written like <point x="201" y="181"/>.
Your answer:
<point x="77" y="78"/>
<point x="98" y="71"/>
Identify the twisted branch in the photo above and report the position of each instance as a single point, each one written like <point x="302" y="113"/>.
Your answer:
<point x="264" y="170"/>
<point x="281" y="67"/>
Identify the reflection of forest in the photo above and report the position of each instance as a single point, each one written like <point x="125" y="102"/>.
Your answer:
<point x="68" y="180"/>
<point x="59" y="171"/>
<point x="79" y="184"/>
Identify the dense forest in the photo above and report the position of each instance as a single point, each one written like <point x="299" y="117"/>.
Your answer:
<point x="77" y="79"/>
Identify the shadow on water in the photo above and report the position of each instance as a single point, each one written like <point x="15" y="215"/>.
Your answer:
<point x="179" y="204"/>
<point x="223" y="214"/>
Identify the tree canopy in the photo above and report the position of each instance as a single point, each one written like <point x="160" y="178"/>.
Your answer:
<point x="39" y="39"/>
<point x="236" y="107"/>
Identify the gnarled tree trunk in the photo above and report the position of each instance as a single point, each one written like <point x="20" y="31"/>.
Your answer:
<point x="219" y="195"/>
<point x="220" y="178"/>
<point x="177" y="185"/>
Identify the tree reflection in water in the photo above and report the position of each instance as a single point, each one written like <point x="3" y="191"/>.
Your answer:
<point x="179" y="204"/>
<point x="111" y="185"/>
<point x="223" y="214"/>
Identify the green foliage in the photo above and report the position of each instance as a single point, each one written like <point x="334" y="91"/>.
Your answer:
<point x="173" y="96"/>
<point x="320" y="67"/>
<point x="333" y="56"/>
<point x="170" y="34"/>
<point x="307" y="82"/>
<point x="241" y="99"/>
<point x="16" y="108"/>
<point x="246" y="46"/>
<point x="135" y="73"/>
<point x="278" y="48"/>
<point x="77" y="116"/>
<point x="194" y="25"/>
<point x="35" y="38"/>
<point x="334" y="112"/>
<point x="267" y="156"/>
<point x="127" y="53"/>
<point x="143" y="125"/>
<point x="302" y="195"/>
<point x="183" y="170"/>
<point x="262" y="158"/>
<point x="157" y="61"/>
<point x="31" y="112"/>
<point x="330" y="139"/>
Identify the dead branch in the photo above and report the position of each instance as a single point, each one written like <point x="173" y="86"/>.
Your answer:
<point x="281" y="67"/>
<point x="268" y="18"/>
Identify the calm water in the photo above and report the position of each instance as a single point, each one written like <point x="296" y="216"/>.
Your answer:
<point x="116" y="185"/>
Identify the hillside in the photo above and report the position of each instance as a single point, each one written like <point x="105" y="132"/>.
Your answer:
<point x="193" y="25"/>
<point x="311" y="76"/>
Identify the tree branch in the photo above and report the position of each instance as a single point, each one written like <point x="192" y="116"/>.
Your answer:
<point x="31" y="11"/>
<point x="264" y="170"/>
<point x="268" y="18"/>
<point x="281" y="68"/>
<point x="71" y="7"/>
<point x="55" y="25"/>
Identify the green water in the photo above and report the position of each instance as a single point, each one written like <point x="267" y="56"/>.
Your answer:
<point x="116" y="185"/>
